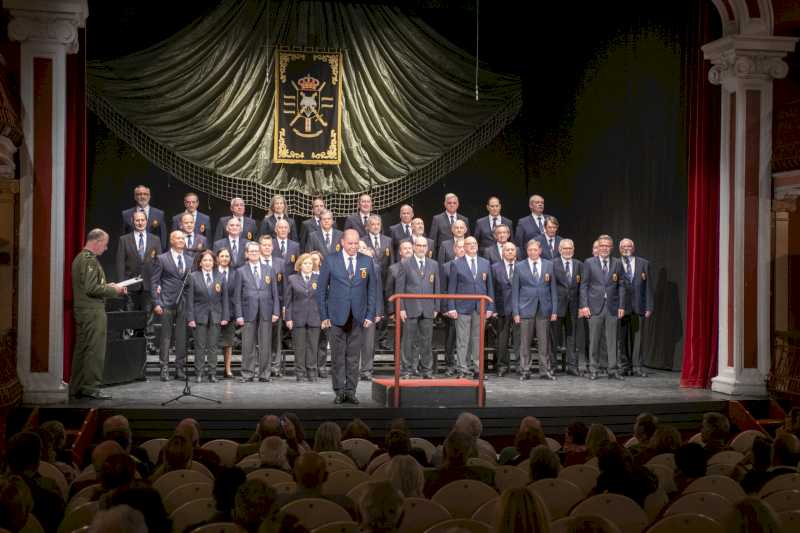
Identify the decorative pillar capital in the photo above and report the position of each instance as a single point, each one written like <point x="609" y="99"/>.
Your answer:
<point x="744" y="57"/>
<point x="49" y="21"/>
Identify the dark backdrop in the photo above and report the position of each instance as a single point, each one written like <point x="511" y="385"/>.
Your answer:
<point x="601" y="135"/>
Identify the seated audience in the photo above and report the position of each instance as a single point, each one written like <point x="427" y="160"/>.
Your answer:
<point x="101" y="452"/>
<point x="299" y="435"/>
<point x="118" y="429"/>
<point x="643" y="430"/>
<point x="310" y="473"/>
<point x="118" y="470"/>
<point x="543" y="463"/>
<point x="690" y="464"/>
<point x="189" y="428"/>
<point x="715" y="432"/>
<point x="759" y="459"/>
<point x="407" y="476"/>
<point x="752" y="515"/>
<point x="147" y="501"/>
<point x="226" y="484"/>
<point x="785" y="454"/>
<point x="458" y="448"/>
<point x="54" y="439"/>
<point x="356" y="429"/>
<point x="618" y="475"/>
<point x="381" y="509"/>
<point x="665" y="439"/>
<point x="521" y="511"/>
<point x="119" y="519"/>
<point x="254" y="503"/>
<point x="22" y="457"/>
<point x="273" y="454"/>
<point x="268" y="426"/>
<point x="526" y="440"/>
<point x="177" y="455"/>
<point x="574" y="450"/>
<point x="510" y="452"/>
<point x="328" y="438"/>
<point x="596" y="439"/>
<point x="16" y="502"/>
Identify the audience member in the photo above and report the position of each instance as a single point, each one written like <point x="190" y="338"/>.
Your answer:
<point x="118" y="429"/>
<point x="254" y="503"/>
<point x="510" y="452"/>
<point x="690" y="464"/>
<point x="101" y="452"/>
<point x="147" y="501"/>
<point x="22" y="456"/>
<point x="269" y="425"/>
<point x="758" y="459"/>
<point x="299" y="434"/>
<point x="665" y="439"/>
<point x="328" y="438"/>
<point x="544" y="463"/>
<point x="273" y="454"/>
<point x="119" y="519"/>
<point x="54" y="439"/>
<point x="226" y="485"/>
<point x="118" y="470"/>
<point x="407" y="476"/>
<point x="458" y="448"/>
<point x="526" y="440"/>
<point x="16" y="502"/>
<point x="785" y="451"/>
<point x="643" y="430"/>
<point x="596" y="439"/>
<point x="751" y="515"/>
<point x="310" y="473"/>
<point x="618" y="475"/>
<point x="575" y="451"/>
<point x="356" y="429"/>
<point x="715" y="432"/>
<point x="177" y="455"/>
<point x="189" y="428"/>
<point x="521" y="511"/>
<point x="381" y="509"/>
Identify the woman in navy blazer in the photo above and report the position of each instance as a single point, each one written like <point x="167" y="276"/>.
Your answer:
<point x="228" y="331"/>
<point x="301" y="316"/>
<point x="207" y="309"/>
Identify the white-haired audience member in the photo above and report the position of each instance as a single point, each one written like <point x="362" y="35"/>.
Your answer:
<point x="119" y="519"/>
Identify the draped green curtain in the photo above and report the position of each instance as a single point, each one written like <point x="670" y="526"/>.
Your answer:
<point x="200" y="104"/>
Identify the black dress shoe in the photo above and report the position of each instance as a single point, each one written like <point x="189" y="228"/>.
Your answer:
<point x="639" y="373"/>
<point x="245" y="380"/>
<point x="427" y="376"/>
<point x="573" y="372"/>
<point x="339" y="399"/>
<point x="525" y="377"/>
<point x="165" y="376"/>
<point x="617" y="376"/>
<point x="352" y="398"/>
<point x="212" y="378"/>
<point x="95" y="395"/>
<point x="592" y="376"/>
<point x="264" y="380"/>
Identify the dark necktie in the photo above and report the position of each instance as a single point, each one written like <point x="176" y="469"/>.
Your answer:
<point x="494" y="223"/>
<point x="283" y="248"/>
<point x="540" y="224"/>
<point x="351" y="269"/>
<point x="569" y="271"/>
<point x="225" y="277"/>
<point x="208" y="281"/>
<point x="536" y="272"/>
<point x="180" y="264"/>
<point x="605" y="266"/>
<point x="405" y="230"/>
<point x="189" y="241"/>
<point x="327" y="240"/>
<point x="234" y="253"/>
<point x="257" y="276"/>
<point x="306" y="279"/>
<point x="552" y="247"/>
<point x="473" y="267"/>
<point x="510" y="271"/>
<point x="375" y="243"/>
<point x="421" y="267"/>
<point x="628" y="272"/>
<point x="452" y="220"/>
<point x="141" y="246"/>
<point x="365" y="220"/>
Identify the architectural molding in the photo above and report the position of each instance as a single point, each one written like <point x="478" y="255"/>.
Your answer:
<point x="748" y="57"/>
<point x="51" y="21"/>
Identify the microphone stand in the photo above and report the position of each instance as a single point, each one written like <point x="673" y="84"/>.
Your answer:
<point x="187" y="389"/>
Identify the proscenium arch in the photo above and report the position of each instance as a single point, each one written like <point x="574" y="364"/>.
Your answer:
<point x="746" y="17"/>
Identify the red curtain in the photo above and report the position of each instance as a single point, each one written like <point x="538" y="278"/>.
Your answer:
<point x="75" y="185"/>
<point x="702" y="274"/>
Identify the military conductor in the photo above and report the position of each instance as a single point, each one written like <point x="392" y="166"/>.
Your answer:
<point x="347" y="303"/>
<point x="89" y="289"/>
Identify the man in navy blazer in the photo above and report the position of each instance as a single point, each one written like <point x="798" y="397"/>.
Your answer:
<point x="358" y="220"/>
<point x="233" y="242"/>
<point x="638" y="309"/>
<point x="449" y="323"/>
<point x="530" y="226"/>
<point x="503" y="273"/>
<point x="494" y="253"/>
<point x="469" y="275"/>
<point x="202" y="222"/>
<point x="603" y="303"/>
<point x="442" y="224"/>
<point x="249" y="226"/>
<point x="285" y="248"/>
<point x="312" y="224"/>
<point x="486" y="226"/>
<point x="402" y="230"/>
<point x="458" y="231"/>
<point x="569" y="272"/>
<point x="281" y="268"/>
<point x="169" y="273"/>
<point x="195" y="242"/>
<point x="155" y="216"/>
<point x="534" y="301"/>
<point x="549" y="240"/>
<point x="418" y="230"/>
<point x="418" y="275"/>
<point x="328" y="239"/>
<point x="347" y="305"/>
<point x="257" y="307"/>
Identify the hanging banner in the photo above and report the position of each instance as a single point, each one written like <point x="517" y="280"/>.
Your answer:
<point x="308" y="108"/>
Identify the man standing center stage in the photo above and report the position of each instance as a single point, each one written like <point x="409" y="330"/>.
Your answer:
<point x="89" y="289"/>
<point x="169" y="273"/>
<point x="257" y="308"/>
<point x="603" y="303"/>
<point x="346" y="299"/>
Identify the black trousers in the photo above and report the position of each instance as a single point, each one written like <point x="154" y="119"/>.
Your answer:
<point x="346" y="344"/>
<point x="506" y="328"/>
<point x="631" y="356"/>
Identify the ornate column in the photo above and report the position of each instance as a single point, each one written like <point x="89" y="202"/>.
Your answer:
<point x="784" y="204"/>
<point x="47" y="31"/>
<point x="744" y="66"/>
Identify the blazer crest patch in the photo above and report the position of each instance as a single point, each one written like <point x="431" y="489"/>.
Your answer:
<point x="578" y="278"/>
<point x="267" y="279"/>
<point x="338" y="247"/>
<point x="249" y="235"/>
<point x="218" y="287"/>
<point x="386" y="252"/>
<point x="292" y="259"/>
<point x="154" y="224"/>
<point x="202" y="228"/>
<point x="279" y="275"/>
<point x="314" y="285"/>
<point x="153" y="252"/>
<point x="363" y="273"/>
<point x="483" y="275"/>
<point x="431" y="278"/>
<point x="644" y="276"/>
<point x="546" y="277"/>
<point x="614" y="277"/>
<point x="430" y="253"/>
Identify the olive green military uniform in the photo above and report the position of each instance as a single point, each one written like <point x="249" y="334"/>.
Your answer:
<point x="89" y="291"/>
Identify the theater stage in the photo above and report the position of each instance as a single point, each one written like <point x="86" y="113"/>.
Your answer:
<point x="507" y="400"/>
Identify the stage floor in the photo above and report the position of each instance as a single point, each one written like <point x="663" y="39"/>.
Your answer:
<point x="286" y="393"/>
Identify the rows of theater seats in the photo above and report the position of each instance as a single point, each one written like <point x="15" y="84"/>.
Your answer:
<point x="653" y="482"/>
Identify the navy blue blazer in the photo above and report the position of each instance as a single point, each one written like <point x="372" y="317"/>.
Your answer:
<point x="204" y="304"/>
<point x="502" y="289"/>
<point x="431" y="248"/>
<point x="638" y="289"/>
<point x="155" y="224"/>
<point x="462" y="282"/>
<point x="230" y="280"/>
<point x="199" y="243"/>
<point x="165" y="281"/>
<point x="410" y="280"/>
<point x="547" y="252"/>
<point x="307" y="227"/>
<point x="384" y="255"/>
<point x="340" y="296"/>
<point x="316" y="241"/>
<point x="300" y="300"/>
<point x="440" y="230"/>
<point x="202" y="224"/>
<point x="568" y="288"/>
<point x="527" y="230"/>
<point x="529" y="296"/>
<point x="484" y="234"/>
<point x="602" y="292"/>
<point x="397" y="234"/>
<point x="130" y="265"/>
<point x="253" y="302"/>
<point x="268" y="226"/>
<point x="239" y="258"/>
<point x="282" y="271"/>
<point x="355" y="222"/>
<point x="249" y="229"/>
<point x="291" y="255"/>
<point x="446" y="253"/>
<point x="493" y="254"/>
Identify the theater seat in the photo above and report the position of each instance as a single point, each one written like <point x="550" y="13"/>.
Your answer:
<point x="172" y="480"/>
<point x="463" y="497"/>
<point x="79" y="517"/>
<point x="186" y="493"/>
<point x="585" y="477"/>
<point x="193" y="512"/>
<point x="339" y="456"/>
<point x="153" y="448"/>
<point x="338" y="527"/>
<point x="779" y="483"/>
<point x="270" y="476"/>
<point x="225" y="449"/>
<point x="707" y="503"/>
<point x="487" y="513"/>
<point x="460" y="524"/>
<point x="785" y="500"/>
<point x="510" y="477"/>
<point x="218" y="527"/>
<point x="686" y="523"/>
<point x="724" y="486"/>
<point x="424" y="445"/>
<point x="621" y="510"/>
<point x="342" y="481"/>
<point x="743" y="442"/>
<point x="559" y="495"/>
<point x="419" y="514"/>
<point x="359" y="449"/>
<point x="315" y="512"/>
